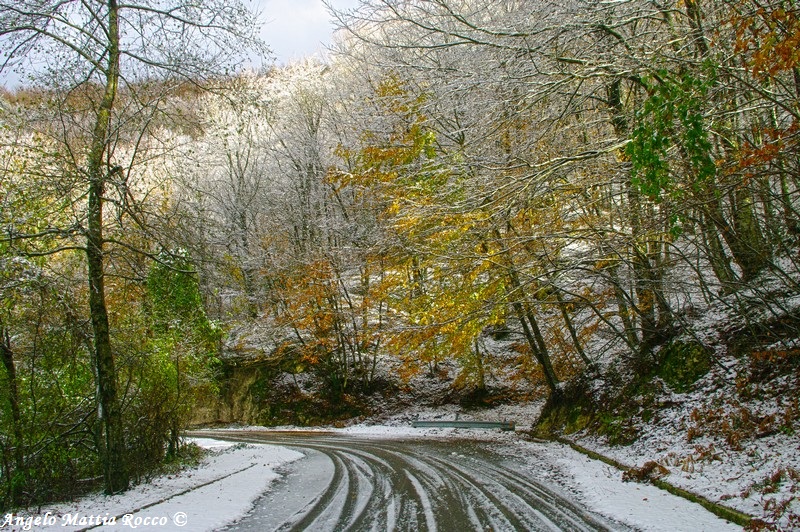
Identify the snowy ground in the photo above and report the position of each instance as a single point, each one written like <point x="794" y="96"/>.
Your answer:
<point x="758" y="475"/>
<point x="595" y="484"/>
<point x="220" y="490"/>
<point x="225" y="485"/>
<point x="747" y="479"/>
<point x="598" y="486"/>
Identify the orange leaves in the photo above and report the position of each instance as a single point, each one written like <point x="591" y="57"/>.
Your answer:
<point x="310" y="301"/>
<point x="770" y="35"/>
<point x="334" y="317"/>
<point x="772" y="146"/>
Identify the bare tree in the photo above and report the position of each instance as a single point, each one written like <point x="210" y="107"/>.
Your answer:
<point x="109" y="65"/>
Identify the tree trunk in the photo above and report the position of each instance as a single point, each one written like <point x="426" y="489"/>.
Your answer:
<point x="481" y="385"/>
<point x="743" y="238"/>
<point x="719" y="260"/>
<point x="573" y="333"/>
<point x="624" y="313"/>
<point x="644" y="257"/>
<point x="533" y="334"/>
<point x="530" y="327"/>
<point x="695" y="17"/>
<point x="543" y="358"/>
<point x="13" y="397"/>
<point x="642" y="260"/>
<point x="113" y="454"/>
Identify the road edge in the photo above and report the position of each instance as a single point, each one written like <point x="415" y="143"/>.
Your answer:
<point x="729" y="514"/>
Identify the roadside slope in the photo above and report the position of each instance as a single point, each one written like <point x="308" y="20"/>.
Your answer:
<point x="219" y="490"/>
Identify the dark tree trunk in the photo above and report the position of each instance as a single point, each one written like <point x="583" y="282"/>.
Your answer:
<point x="113" y="454"/>
<point x="542" y="358"/>
<point x="573" y="333"/>
<point x="13" y="397"/>
<point x="533" y="334"/>
<point x="530" y="327"/>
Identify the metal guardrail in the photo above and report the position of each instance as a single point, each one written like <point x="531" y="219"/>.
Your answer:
<point x="502" y="425"/>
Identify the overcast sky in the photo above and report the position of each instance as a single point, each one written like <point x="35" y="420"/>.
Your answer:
<point x="293" y="29"/>
<point x="297" y="28"/>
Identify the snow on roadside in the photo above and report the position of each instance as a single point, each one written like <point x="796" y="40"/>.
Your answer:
<point x="594" y="484"/>
<point x="217" y="492"/>
<point x="709" y="467"/>
<point x="600" y="488"/>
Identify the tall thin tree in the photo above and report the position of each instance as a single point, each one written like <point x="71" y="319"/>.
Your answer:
<point x="91" y="56"/>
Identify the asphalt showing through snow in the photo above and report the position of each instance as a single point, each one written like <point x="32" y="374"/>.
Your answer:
<point x="352" y="483"/>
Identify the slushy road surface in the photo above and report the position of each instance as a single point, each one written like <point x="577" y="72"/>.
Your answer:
<point x="361" y="483"/>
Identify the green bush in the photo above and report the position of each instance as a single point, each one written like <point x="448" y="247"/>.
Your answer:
<point x="683" y="363"/>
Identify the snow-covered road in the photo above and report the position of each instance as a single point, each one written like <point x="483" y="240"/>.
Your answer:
<point x="352" y="483"/>
<point x="382" y="478"/>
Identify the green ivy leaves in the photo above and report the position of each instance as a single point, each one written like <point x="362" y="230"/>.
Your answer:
<point x="671" y="118"/>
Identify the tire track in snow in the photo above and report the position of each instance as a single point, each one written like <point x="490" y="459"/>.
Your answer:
<point x="406" y="485"/>
<point x="519" y="494"/>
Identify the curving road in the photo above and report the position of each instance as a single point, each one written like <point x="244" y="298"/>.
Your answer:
<point x="350" y="483"/>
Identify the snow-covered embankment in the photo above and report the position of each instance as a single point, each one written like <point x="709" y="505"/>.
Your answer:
<point x="217" y="492"/>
